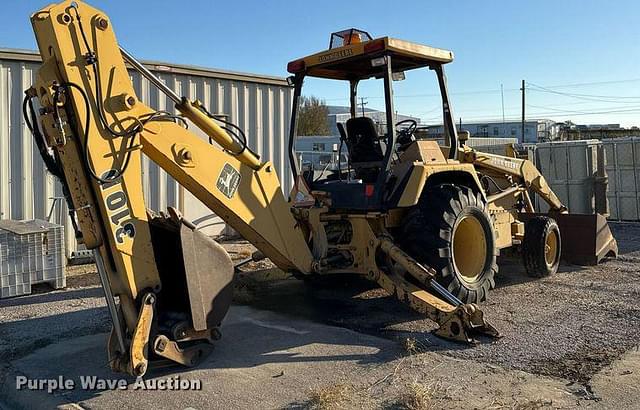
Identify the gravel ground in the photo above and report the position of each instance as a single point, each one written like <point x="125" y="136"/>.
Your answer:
<point x="569" y="325"/>
<point x="30" y="322"/>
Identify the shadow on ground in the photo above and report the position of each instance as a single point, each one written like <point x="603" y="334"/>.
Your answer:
<point x="251" y="339"/>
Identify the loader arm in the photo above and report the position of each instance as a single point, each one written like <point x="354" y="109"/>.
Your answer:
<point x="587" y="238"/>
<point x="522" y="169"/>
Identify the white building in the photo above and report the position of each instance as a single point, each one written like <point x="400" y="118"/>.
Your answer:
<point x="534" y="130"/>
<point x="318" y="151"/>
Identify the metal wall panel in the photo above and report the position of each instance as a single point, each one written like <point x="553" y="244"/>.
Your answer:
<point x="260" y="105"/>
<point x="623" y="169"/>
<point x="570" y="168"/>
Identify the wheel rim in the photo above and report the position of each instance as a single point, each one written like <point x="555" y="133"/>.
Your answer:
<point x="469" y="248"/>
<point x="551" y="248"/>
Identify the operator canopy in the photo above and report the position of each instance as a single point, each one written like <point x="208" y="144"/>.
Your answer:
<point x="354" y="55"/>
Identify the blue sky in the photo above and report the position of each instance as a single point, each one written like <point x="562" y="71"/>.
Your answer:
<point x="584" y="54"/>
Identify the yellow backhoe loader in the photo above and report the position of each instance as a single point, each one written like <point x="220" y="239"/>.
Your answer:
<point x="423" y="221"/>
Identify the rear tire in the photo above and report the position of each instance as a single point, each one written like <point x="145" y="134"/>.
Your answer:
<point x="541" y="247"/>
<point x="450" y="231"/>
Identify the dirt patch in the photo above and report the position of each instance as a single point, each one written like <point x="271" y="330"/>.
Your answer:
<point x="574" y="325"/>
<point x="432" y="381"/>
<point x="86" y="275"/>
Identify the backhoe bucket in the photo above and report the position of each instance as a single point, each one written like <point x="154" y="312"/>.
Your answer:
<point x="586" y="239"/>
<point x="196" y="272"/>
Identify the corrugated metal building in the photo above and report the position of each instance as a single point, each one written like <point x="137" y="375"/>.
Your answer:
<point x="260" y="105"/>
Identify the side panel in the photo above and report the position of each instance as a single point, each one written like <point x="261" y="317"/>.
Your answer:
<point x="420" y="174"/>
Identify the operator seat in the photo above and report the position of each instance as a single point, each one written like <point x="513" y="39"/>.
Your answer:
<point x="365" y="153"/>
<point x="366" y="160"/>
<point x="362" y="140"/>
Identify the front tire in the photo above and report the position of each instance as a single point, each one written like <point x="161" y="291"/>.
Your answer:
<point x="541" y="247"/>
<point x="450" y="231"/>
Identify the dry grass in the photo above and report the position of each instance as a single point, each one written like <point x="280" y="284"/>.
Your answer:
<point x="336" y="396"/>
<point x="533" y="405"/>
<point x="247" y="284"/>
<point x="409" y="345"/>
<point x="267" y="275"/>
<point x="413" y="346"/>
<point x="420" y="396"/>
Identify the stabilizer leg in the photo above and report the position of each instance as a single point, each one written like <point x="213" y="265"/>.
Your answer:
<point x="457" y="321"/>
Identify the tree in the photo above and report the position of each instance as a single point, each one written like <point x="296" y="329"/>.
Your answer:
<point x="313" y="116"/>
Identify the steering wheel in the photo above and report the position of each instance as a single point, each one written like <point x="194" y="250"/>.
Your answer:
<point x="405" y="134"/>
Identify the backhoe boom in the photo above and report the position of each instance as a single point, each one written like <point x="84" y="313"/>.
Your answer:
<point x="99" y="130"/>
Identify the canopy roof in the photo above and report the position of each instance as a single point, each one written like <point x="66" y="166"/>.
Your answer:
<point x="353" y="61"/>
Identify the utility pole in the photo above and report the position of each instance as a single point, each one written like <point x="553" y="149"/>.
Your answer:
<point x="502" y="96"/>
<point x="523" y="90"/>
<point x="363" y="104"/>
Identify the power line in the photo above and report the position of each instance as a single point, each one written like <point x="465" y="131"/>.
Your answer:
<point x="628" y="110"/>
<point x="544" y="111"/>
<point x="363" y="103"/>
<point x="630" y="80"/>
<point x="555" y="110"/>
<point x="436" y="108"/>
<point x="476" y="92"/>
<point x="588" y="97"/>
<point x="539" y="88"/>
<point x="547" y="88"/>
<point x="548" y="115"/>
<point x="572" y="103"/>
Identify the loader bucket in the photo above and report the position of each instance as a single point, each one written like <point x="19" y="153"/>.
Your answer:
<point x="586" y="239"/>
